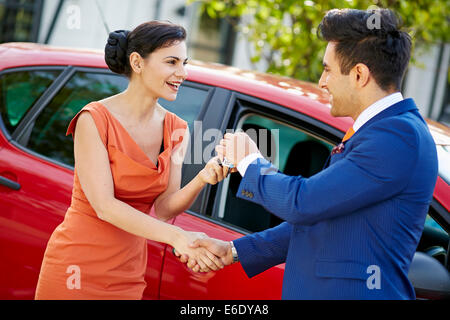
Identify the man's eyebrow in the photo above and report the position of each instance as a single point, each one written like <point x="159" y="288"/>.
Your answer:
<point x="176" y="58"/>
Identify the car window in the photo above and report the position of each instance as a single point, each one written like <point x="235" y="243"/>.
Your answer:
<point x="19" y="91"/>
<point x="434" y="240"/>
<point x="431" y="223"/>
<point x="293" y="151"/>
<point x="48" y="136"/>
<point x="188" y="103"/>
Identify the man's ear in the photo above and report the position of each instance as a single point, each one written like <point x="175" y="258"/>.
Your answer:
<point x="136" y="62"/>
<point x="360" y="75"/>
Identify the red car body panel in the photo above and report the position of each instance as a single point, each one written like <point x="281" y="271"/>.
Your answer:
<point x="442" y="193"/>
<point x="221" y="284"/>
<point x="29" y="216"/>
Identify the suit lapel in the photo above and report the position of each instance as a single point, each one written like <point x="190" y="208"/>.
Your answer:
<point x="403" y="106"/>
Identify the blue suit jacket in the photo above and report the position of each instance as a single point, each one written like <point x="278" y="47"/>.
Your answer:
<point x="350" y="231"/>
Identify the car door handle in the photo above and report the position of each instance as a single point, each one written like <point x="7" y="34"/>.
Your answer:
<point x="9" y="183"/>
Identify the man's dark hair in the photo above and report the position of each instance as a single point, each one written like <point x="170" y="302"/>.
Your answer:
<point x="375" y="41"/>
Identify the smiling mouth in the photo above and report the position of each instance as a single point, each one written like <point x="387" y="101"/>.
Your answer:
<point x="173" y="85"/>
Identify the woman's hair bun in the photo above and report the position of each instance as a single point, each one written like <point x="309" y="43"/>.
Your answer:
<point x="144" y="39"/>
<point x="116" y="51"/>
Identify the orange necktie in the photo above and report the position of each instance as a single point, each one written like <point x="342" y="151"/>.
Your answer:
<point x="348" y="134"/>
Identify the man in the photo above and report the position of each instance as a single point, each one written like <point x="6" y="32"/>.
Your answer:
<point x="350" y="231"/>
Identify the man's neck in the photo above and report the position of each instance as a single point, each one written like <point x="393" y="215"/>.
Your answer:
<point x="375" y="108"/>
<point x="369" y="98"/>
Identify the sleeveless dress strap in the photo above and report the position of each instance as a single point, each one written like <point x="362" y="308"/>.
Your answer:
<point x="177" y="129"/>
<point x="100" y="119"/>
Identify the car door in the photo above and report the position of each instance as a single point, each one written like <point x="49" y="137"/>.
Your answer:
<point x="191" y="103"/>
<point x="39" y="158"/>
<point x="297" y="145"/>
<point x="178" y="282"/>
<point x="40" y="161"/>
<point x="23" y="230"/>
<point x="222" y="215"/>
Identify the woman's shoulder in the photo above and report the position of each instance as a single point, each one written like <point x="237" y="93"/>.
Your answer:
<point x="95" y="108"/>
<point x="96" y="111"/>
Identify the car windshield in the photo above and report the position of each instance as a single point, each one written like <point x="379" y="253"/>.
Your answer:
<point x="444" y="162"/>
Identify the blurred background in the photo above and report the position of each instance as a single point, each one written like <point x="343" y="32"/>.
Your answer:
<point x="275" y="36"/>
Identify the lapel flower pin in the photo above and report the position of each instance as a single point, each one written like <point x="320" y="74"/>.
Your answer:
<point x="338" y="149"/>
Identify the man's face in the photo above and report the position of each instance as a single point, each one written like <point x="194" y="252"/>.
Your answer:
<point x="337" y="84"/>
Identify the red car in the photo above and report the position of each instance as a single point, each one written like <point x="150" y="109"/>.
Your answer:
<point x="42" y="88"/>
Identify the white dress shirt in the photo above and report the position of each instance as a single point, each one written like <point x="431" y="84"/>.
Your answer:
<point x="368" y="113"/>
<point x="375" y="108"/>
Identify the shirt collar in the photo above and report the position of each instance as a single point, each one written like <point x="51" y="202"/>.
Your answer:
<point x="376" y="108"/>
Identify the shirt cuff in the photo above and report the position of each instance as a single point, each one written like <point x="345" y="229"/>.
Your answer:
<point x="244" y="163"/>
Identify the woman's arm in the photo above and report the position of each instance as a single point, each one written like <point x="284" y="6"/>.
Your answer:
<point x="94" y="172"/>
<point x="174" y="200"/>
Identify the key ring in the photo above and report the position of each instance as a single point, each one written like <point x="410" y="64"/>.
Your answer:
<point x="227" y="163"/>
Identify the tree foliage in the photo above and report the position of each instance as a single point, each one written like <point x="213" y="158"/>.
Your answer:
<point x="283" y="32"/>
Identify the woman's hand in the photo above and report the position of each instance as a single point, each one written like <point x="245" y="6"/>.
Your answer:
<point x="197" y="256"/>
<point x="213" y="172"/>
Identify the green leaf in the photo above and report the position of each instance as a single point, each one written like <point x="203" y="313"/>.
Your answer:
<point x="287" y="28"/>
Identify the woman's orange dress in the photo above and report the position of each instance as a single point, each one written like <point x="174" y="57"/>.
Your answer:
<point x="88" y="258"/>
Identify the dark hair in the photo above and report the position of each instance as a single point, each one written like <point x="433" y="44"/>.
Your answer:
<point x="144" y="39"/>
<point x="375" y="41"/>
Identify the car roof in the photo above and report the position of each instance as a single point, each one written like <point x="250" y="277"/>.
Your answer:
<point x="440" y="132"/>
<point x="301" y="96"/>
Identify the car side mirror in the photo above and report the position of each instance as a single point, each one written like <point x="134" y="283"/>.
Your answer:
<point x="430" y="278"/>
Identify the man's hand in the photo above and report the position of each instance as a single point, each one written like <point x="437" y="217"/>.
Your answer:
<point x="196" y="255"/>
<point x="236" y="147"/>
<point x="221" y="249"/>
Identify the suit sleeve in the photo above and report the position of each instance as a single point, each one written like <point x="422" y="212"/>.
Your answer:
<point x="377" y="168"/>
<point x="262" y="250"/>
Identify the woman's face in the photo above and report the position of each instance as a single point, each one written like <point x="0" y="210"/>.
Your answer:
<point x="163" y="71"/>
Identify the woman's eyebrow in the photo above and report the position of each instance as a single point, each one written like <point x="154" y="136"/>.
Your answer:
<point x="176" y="58"/>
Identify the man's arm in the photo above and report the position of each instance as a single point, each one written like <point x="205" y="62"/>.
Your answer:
<point x="257" y="252"/>
<point x="375" y="170"/>
<point x="260" y="251"/>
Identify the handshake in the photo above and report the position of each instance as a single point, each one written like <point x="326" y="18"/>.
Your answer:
<point x="204" y="254"/>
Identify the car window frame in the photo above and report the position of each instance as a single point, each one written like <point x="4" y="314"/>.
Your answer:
<point x="234" y="112"/>
<point x="40" y="105"/>
<point x="203" y="110"/>
<point x="65" y="76"/>
<point x="11" y="135"/>
<point x="228" y="99"/>
<point x="218" y="100"/>
<point x="224" y="190"/>
<point x="439" y="214"/>
<point x="296" y="119"/>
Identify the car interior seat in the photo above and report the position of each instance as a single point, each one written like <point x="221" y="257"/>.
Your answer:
<point x="306" y="158"/>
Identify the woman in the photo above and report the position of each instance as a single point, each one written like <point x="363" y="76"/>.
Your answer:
<point x="126" y="161"/>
